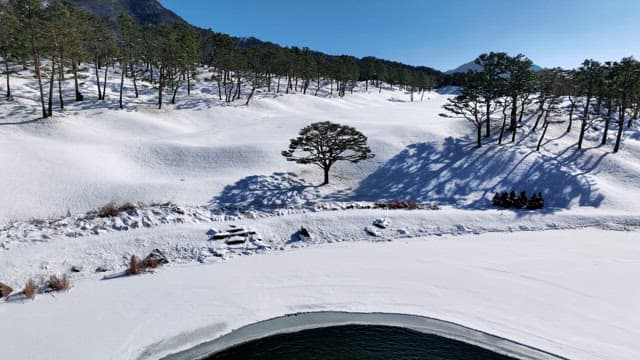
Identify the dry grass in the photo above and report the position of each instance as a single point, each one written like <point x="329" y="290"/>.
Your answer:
<point x="59" y="283"/>
<point x="112" y="210"/>
<point x="134" y="269"/>
<point x="30" y="289"/>
<point x="5" y="290"/>
<point x="128" y="207"/>
<point x="150" y="264"/>
<point x="409" y="205"/>
<point x="109" y="210"/>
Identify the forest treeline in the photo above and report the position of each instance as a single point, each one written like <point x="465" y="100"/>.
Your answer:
<point x="605" y="96"/>
<point x="54" y="40"/>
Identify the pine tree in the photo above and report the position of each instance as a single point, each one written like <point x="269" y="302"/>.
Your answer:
<point x="470" y="105"/>
<point x="325" y="143"/>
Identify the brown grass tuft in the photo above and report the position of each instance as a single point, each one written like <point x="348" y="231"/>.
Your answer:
<point x="133" y="266"/>
<point x="128" y="207"/>
<point x="59" y="283"/>
<point x="109" y="210"/>
<point x="30" y="289"/>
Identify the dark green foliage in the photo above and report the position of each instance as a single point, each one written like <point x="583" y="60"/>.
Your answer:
<point x="521" y="201"/>
<point x="324" y="143"/>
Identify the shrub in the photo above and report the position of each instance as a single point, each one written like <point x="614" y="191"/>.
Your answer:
<point x="128" y="207"/>
<point x="5" y="290"/>
<point x="59" y="283"/>
<point x="30" y="289"/>
<point x="109" y="210"/>
<point x="133" y="266"/>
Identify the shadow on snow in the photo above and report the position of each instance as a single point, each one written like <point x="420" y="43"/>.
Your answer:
<point x="278" y="190"/>
<point x="457" y="173"/>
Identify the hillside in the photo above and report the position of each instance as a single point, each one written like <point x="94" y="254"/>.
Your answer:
<point x="471" y="65"/>
<point x="142" y="11"/>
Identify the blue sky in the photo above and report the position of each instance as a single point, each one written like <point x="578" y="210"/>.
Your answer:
<point x="441" y="34"/>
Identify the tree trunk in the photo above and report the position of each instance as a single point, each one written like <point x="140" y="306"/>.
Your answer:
<point x="36" y="60"/>
<point x="621" y="114"/>
<point x="60" y="78"/>
<point x="504" y="124"/>
<point x="544" y="132"/>
<point x="514" y="114"/>
<point x="269" y="81"/>
<point x="479" y="136"/>
<point x="160" y="86"/>
<point x="278" y="87"/>
<point x="6" y="67"/>
<point x="75" y="80"/>
<point x="135" y="85"/>
<point x="188" y="83"/>
<point x="326" y="175"/>
<point x="253" y="89"/>
<point x="523" y="106"/>
<point x="104" y="83"/>
<point x="219" y="88"/>
<point x="123" y="67"/>
<point x="585" y="118"/>
<point x="605" y="133"/>
<point x="51" y="82"/>
<point x="488" y="119"/>
<point x="540" y="115"/>
<point x="175" y="91"/>
<point x="573" y="107"/>
<point x="98" y="79"/>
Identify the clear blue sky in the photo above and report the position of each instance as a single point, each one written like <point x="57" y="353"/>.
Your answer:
<point x="441" y="34"/>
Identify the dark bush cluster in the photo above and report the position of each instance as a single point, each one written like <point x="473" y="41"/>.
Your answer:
<point x="112" y="210"/>
<point x="395" y="204"/>
<point x="510" y="200"/>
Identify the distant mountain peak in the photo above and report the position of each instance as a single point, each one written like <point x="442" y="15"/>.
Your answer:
<point x="142" y="11"/>
<point x="471" y="65"/>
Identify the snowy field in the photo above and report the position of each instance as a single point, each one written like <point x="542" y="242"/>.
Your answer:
<point x="567" y="292"/>
<point x="559" y="279"/>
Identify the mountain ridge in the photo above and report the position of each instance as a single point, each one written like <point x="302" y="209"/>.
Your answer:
<point x="471" y="65"/>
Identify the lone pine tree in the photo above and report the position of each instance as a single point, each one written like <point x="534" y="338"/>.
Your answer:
<point x="324" y="143"/>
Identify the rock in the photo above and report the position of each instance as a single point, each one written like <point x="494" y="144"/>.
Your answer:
<point x="76" y="269"/>
<point x="235" y="240"/>
<point x="381" y="223"/>
<point x="372" y="232"/>
<point x="231" y="232"/>
<point x="304" y="232"/>
<point x="155" y="259"/>
<point x="5" y="290"/>
<point x="221" y="235"/>
<point x="102" y="268"/>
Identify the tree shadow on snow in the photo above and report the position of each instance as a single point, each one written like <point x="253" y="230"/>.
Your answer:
<point x="278" y="190"/>
<point x="457" y="173"/>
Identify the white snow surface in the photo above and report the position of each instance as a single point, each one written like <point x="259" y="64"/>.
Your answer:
<point x="567" y="292"/>
<point x="558" y="279"/>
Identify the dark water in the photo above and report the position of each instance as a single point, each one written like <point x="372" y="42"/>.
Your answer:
<point x="356" y="342"/>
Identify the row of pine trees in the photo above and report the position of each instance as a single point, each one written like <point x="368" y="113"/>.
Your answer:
<point x="596" y="94"/>
<point x="56" y="40"/>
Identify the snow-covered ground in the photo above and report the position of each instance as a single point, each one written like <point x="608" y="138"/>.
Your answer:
<point x="567" y="292"/>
